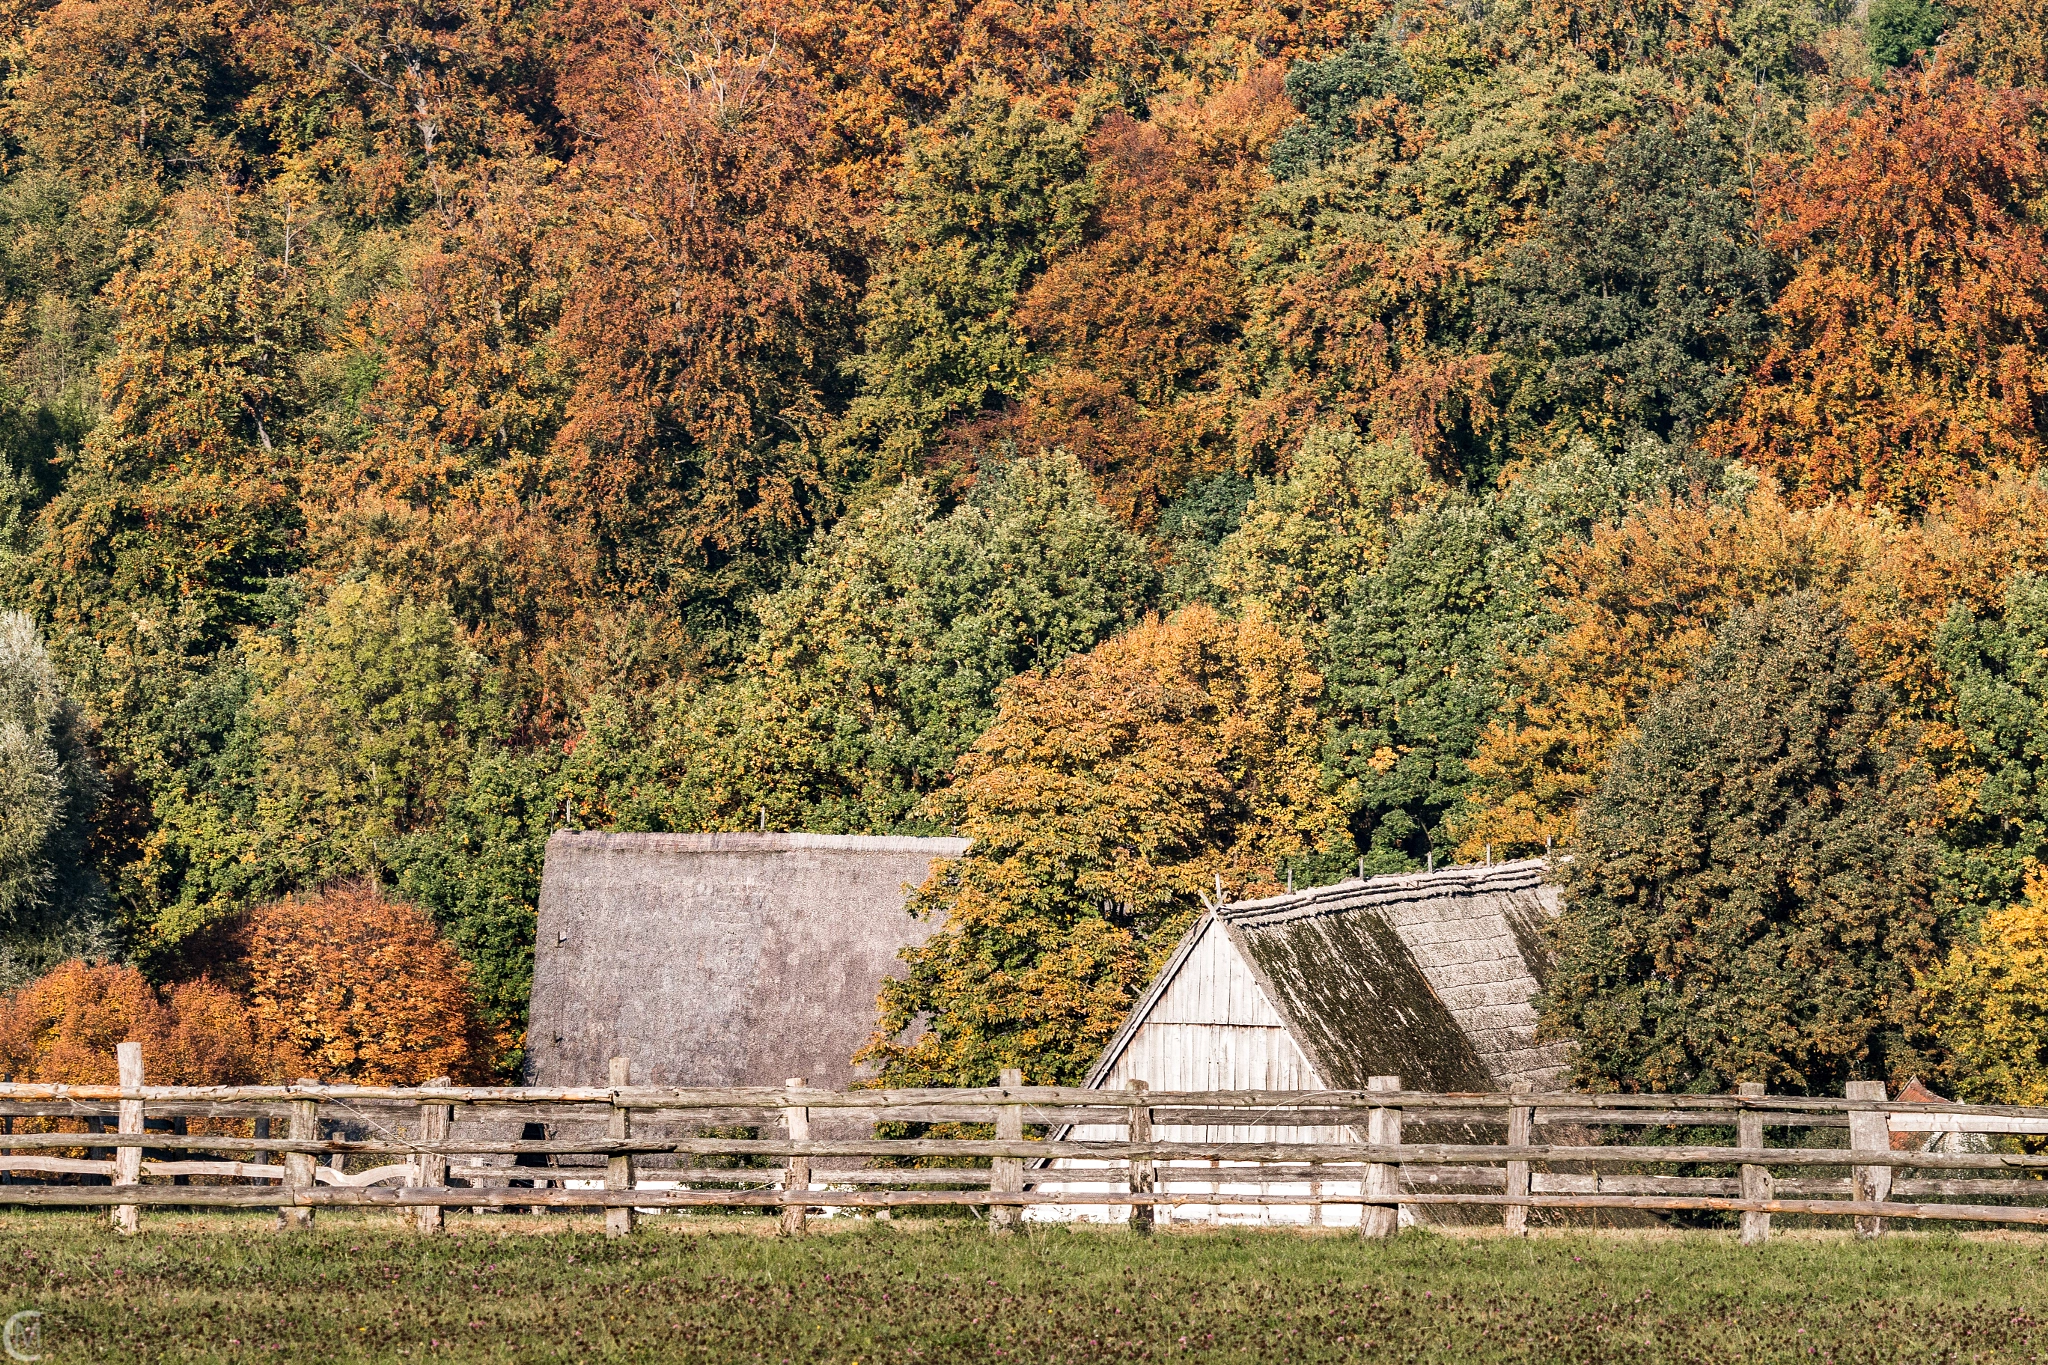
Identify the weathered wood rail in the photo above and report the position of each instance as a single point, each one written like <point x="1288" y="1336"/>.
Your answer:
<point x="1384" y="1152"/>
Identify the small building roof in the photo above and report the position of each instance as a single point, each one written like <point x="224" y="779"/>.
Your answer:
<point x="1429" y="976"/>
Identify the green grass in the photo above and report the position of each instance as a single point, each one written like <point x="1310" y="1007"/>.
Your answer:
<point x="360" y="1287"/>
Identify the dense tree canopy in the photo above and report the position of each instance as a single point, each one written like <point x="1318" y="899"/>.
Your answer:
<point x="1161" y="441"/>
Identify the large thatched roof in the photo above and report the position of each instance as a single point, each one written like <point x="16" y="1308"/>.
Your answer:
<point x="718" y="959"/>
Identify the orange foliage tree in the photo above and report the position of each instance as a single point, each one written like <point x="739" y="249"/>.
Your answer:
<point x="1913" y="343"/>
<point x="884" y="69"/>
<point x="350" y="985"/>
<point x="705" y="325"/>
<point x="446" y="495"/>
<point x="1139" y="324"/>
<point x="63" y="1028"/>
<point x="1105" y="801"/>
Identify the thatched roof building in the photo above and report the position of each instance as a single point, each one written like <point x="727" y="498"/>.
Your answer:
<point x="718" y="959"/>
<point x="1428" y="976"/>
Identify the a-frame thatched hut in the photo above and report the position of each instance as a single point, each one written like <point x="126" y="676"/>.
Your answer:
<point x="1426" y="976"/>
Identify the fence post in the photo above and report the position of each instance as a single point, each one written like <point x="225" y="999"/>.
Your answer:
<point x="618" y="1167"/>
<point x="1869" y="1132"/>
<point x="1382" y="1178"/>
<point x="298" y="1166"/>
<point x="1006" y="1173"/>
<point x="430" y="1169"/>
<point x="1521" y="1128"/>
<point x="1756" y="1180"/>
<point x="1142" y="1181"/>
<point x="128" y="1160"/>
<point x="795" y="1217"/>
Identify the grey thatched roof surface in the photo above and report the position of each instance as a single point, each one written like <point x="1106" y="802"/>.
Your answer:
<point x="718" y="959"/>
<point x="1428" y="976"/>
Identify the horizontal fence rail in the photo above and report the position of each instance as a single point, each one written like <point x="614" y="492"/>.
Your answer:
<point x="1385" y="1154"/>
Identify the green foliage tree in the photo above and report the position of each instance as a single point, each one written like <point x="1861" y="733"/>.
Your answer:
<point x="52" y="902"/>
<point x="370" y="715"/>
<point x="1191" y="530"/>
<point x="1414" y="656"/>
<point x="1998" y="669"/>
<point x="1900" y="30"/>
<point x="477" y="870"/>
<point x="1750" y="888"/>
<point x="1641" y="299"/>
<point x="989" y="193"/>
<point x="1304" y="538"/>
<point x="1328" y="93"/>
<point x="873" y="671"/>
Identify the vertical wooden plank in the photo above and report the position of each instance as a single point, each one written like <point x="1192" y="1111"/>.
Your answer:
<point x="1006" y="1174"/>
<point x="1521" y="1127"/>
<point x="128" y="1160"/>
<point x="618" y="1170"/>
<point x="797" y="1176"/>
<point x="798" y="1121"/>
<point x="1869" y="1132"/>
<point x="430" y="1169"/>
<point x="1756" y="1180"/>
<point x="304" y="1126"/>
<point x="1315" y="1192"/>
<point x="1141" y="1176"/>
<point x="1382" y="1179"/>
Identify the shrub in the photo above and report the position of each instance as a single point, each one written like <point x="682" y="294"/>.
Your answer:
<point x="63" y="1027"/>
<point x="351" y="986"/>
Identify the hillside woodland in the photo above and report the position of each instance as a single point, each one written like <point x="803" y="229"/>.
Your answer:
<point x="1176" y="445"/>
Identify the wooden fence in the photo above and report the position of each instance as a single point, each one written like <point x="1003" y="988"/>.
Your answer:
<point x="625" y="1148"/>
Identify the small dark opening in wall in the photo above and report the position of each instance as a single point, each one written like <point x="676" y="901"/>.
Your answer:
<point x="532" y="1132"/>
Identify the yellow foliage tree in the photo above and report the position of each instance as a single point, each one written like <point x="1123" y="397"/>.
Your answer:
<point x="1307" y="539"/>
<point x="1639" y="603"/>
<point x="1987" y="1005"/>
<point x="1106" y="800"/>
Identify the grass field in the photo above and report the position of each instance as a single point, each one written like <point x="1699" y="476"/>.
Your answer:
<point x="224" y="1287"/>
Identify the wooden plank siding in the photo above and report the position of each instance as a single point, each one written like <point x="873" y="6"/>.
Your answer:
<point x="1205" y="1025"/>
<point x="1428" y="975"/>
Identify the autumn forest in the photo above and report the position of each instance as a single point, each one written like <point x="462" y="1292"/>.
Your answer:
<point x="1239" y="441"/>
